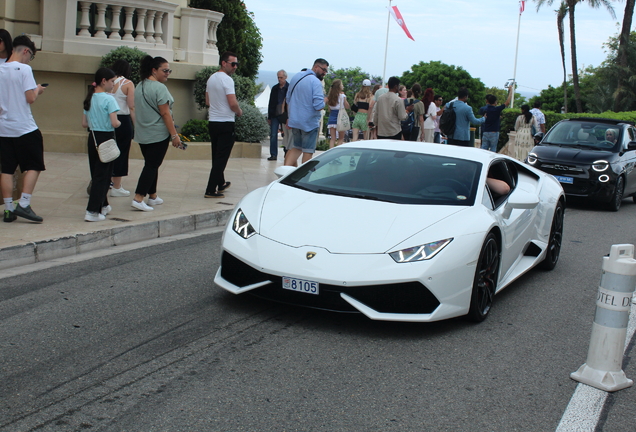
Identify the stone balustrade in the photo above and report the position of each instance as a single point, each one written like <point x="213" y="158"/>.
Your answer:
<point x="97" y="27"/>
<point x="117" y="22"/>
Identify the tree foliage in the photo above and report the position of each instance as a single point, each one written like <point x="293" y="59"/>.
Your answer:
<point x="446" y="80"/>
<point x="237" y="32"/>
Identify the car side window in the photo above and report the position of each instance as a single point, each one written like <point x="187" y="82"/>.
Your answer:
<point x="631" y="136"/>
<point x="500" y="181"/>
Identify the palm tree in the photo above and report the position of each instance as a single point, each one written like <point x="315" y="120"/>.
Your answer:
<point x="561" y="14"/>
<point x="571" y="6"/>
<point x="621" y="58"/>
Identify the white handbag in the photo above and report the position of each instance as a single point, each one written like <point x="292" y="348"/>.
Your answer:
<point x="108" y="151"/>
<point x="343" y="124"/>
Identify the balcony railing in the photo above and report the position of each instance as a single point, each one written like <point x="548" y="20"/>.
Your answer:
<point x="96" y="27"/>
<point x="129" y="23"/>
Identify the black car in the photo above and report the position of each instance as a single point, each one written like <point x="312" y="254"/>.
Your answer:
<point x="592" y="158"/>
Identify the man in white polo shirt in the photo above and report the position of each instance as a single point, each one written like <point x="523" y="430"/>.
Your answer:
<point x="221" y="98"/>
<point x="20" y="139"/>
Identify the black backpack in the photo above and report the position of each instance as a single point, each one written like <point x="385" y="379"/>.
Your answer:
<point x="407" y="125"/>
<point x="447" y="121"/>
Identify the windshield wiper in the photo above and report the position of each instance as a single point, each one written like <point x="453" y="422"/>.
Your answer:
<point x="350" y="195"/>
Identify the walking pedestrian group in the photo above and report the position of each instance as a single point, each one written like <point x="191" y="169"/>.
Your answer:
<point x="116" y="111"/>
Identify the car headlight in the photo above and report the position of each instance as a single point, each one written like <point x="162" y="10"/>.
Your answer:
<point x="420" y="253"/>
<point x="532" y="158"/>
<point x="600" y="165"/>
<point x="242" y="226"/>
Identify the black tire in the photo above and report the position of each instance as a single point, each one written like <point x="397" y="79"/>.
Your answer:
<point x="617" y="199"/>
<point x="555" y="240"/>
<point x="634" y="198"/>
<point x="485" y="282"/>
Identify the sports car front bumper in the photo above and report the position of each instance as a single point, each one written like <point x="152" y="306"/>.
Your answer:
<point x="372" y="284"/>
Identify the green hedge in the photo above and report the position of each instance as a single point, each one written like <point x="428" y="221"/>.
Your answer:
<point x="132" y="55"/>
<point x="509" y="116"/>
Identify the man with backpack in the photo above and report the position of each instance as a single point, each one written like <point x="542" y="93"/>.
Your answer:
<point x="456" y="120"/>
<point x="389" y="112"/>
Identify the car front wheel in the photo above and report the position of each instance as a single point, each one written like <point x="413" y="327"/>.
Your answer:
<point x="554" y="242"/>
<point x="617" y="199"/>
<point x="485" y="282"/>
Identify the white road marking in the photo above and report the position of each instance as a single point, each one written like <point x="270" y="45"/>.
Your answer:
<point x="585" y="407"/>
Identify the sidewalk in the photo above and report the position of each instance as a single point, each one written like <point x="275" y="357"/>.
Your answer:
<point x="60" y="198"/>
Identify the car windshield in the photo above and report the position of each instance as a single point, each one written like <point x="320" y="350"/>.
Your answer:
<point x="388" y="175"/>
<point x="584" y="134"/>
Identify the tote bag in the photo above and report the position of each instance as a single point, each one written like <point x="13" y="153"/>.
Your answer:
<point x="343" y="124"/>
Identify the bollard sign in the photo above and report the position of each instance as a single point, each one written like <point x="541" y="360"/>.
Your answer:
<point x="603" y="368"/>
<point x="612" y="300"/>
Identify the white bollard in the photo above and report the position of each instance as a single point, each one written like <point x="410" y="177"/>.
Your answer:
<point x="603" y="368"/>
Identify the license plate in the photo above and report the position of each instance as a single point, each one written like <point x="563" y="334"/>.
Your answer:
<point x="568" y="180"/>
<point x="300" y="285"/>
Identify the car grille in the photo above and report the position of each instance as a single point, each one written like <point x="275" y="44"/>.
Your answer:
<point x="406" y="297"/>
<point x="580" y="175"/>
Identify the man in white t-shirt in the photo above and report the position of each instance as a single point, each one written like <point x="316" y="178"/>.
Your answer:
<point x="20" y="139"/>
<point x="221" y="98"/>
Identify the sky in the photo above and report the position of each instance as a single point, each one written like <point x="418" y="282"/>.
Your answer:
<point x="478" y="35"/>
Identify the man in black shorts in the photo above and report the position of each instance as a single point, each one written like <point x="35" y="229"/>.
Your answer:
<point x="20" y="139"/>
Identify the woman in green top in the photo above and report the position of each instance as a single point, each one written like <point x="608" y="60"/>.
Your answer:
<point x="154" y="128"/>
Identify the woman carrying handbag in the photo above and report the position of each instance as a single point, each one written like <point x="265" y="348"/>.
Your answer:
<point x="100" y="116"/>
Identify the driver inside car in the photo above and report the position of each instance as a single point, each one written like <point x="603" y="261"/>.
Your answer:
<point x="610" y="135"/>
<point x="498" y="187"/>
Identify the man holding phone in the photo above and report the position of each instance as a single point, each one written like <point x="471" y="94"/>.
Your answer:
<point x="21" y="142"/>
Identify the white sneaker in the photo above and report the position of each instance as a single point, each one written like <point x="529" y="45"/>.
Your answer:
<point x="141" y="206"/>
<point x="154" y="202"/>
<point x="119" y="192"/>
<point x="94" y="217"/>
<point x="106" y="210"/>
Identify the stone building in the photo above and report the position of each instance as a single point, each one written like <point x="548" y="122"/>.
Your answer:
<point x="73" y="36"/>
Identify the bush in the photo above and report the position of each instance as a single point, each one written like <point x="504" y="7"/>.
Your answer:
<point x="131" y="55"/>
<point x="252" y="125"/>
<point x="245" y="87"/>
<point x="196" y="131"/>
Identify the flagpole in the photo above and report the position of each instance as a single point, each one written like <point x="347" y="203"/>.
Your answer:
<point x="386" y="46"/>
<point x="514" y="73"/>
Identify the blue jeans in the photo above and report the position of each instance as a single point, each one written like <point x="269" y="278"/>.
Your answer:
<point x="273" y="137"/>
<point x="437" y="138"/>
<point x="489" y="141"/>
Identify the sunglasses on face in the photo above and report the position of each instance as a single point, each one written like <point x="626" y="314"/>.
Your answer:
<point x="325" y="70"/>
<point x="168" y="71"/>
<point x="234" y="64"/>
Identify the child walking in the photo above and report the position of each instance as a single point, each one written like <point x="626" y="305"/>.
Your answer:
<point x="100" y="116"/>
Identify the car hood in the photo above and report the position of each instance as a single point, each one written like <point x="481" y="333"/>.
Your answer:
<point x="341" y="224"/>
<point x="574" y="155"/>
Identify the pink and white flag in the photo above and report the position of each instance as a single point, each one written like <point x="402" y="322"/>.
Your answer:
<point x="398" y="18"/>
<point x="522" y="6"/>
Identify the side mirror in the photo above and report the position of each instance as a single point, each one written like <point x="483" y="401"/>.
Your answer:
<point x="282" y="171"/>
<point x="520" y="199"/>
<point x="631" y="145"/>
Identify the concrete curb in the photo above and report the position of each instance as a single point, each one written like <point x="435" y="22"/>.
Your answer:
<point x="45" y="250"/>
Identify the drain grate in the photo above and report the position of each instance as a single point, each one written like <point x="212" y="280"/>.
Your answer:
<point x="119" y="219"/>
<point x="228" y="204"/>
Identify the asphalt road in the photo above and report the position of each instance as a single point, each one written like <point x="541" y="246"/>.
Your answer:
<point x="143" y="341"/>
